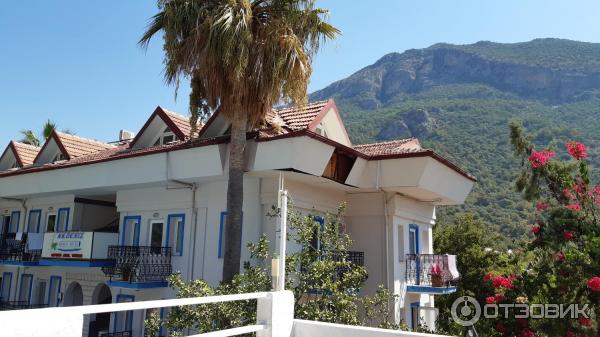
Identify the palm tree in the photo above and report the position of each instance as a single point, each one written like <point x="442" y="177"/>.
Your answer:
<point x="242" y="57"/>
<point x="29" y="136"/>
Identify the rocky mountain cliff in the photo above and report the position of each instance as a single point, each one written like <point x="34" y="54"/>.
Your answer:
<point x="458" y="99"/>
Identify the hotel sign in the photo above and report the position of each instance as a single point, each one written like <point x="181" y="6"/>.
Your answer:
<point x="68" y="245"/>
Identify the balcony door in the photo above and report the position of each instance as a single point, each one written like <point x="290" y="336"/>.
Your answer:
<point x="414" y="249"/>
<point x="51" y="223"/>
<point x="130" y="235"/>
<point x="157" y="235"/>
<point x="5" y="224"/>
<point x="413" y="240"/>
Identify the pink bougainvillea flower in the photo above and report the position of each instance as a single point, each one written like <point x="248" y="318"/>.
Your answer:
<point x="568" y="235"/>
<point x="490" y="300"/>
<point x="538" y="159"/>
<point x="536" y="229"/>
<point x="502" y="282"/>
<point x="577" y="150"/>
<point x="597" y="190"/>
<point x="567" y="193"/>
<point x="560" y="256"/>
<point x="574" y="207"/>
<point x="499" y="298"/>
<point x="488" y="277"/>
<point x="541" y="206"/>
<point x="594" y="284"/>
<point x="585" y="321"/>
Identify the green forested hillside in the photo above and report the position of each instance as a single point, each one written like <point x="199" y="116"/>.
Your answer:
<point x="436" y="95"/>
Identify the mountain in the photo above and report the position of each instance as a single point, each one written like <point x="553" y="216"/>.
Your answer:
<point x="459" y="99"/>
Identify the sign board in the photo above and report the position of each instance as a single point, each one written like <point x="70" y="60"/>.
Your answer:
<point x="68" y="245"/>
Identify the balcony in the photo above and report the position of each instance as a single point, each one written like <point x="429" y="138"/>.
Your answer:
<point x="138" y="266"/>
<point x="20" y="305"/>
<point x="431" y="274"/>
<point x="77" y="249"/>
<point x="17" y="250"/>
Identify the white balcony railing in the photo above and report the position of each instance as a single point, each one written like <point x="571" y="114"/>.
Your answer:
<point x="275" y="318"/>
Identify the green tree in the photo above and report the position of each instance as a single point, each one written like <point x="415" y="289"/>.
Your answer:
<point x="30" y="137"/>
<point x="478" y="251"/>
<point x="324" y="281"/>
<point x="565" y="250"/>
<point x="242" y="57"/>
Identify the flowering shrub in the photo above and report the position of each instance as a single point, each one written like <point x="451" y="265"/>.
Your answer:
<point x="541" y="158"/>
<point x="577" y="150"/>
<point x="564" y="255"/>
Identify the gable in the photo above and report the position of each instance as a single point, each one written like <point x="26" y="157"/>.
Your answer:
<point x="50" y="151"/>
<point x="329" y="124"/>
<point x="8" y="159"/>
<point x="161" y="128"/>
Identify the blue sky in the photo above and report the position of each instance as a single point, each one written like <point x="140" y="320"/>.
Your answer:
<point x="77" y="62"/>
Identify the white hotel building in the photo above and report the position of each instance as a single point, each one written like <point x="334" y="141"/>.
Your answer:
<point x="84" y="222"/>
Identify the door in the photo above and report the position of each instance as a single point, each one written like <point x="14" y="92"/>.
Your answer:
<point x="123" y="320"/>
<point x="51" y="223"/>
<point x="5" y="224"/>
<point x="53" y="291"/>
<point x="157" y="235"/>
<point x="15" y="218"/>
<point x="130" y="235"/>
<point x="5" y="287"/>
<point x="33" y="223"/>
<point x="40" y="292"/>
<point x="413" y="248"/>
<point x="25" y="288"/>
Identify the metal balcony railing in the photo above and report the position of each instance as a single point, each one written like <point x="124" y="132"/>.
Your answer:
<point x="20" y="305"/>
<point x="139" y="263"/>
<point x="430" y="270"/>
<point x="12" y="249"/>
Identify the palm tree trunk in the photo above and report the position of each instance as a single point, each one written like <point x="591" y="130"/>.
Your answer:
<point x="235" y="197"/>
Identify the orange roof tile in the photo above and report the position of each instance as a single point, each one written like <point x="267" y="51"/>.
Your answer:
<point x="76" y="146"/>
<point x="182" y="122"/>
<point x="400" y="146"/>
<point x="299" y="118"/>
<point x="25" y="153"/>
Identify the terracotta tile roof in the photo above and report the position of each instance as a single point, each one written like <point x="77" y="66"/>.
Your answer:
<point x="77" y="146"/>
<point x="400" y="146"/>
<point x="26" y="153"/>
<point x="182" y="122"/>
<point x="298" y="118"/>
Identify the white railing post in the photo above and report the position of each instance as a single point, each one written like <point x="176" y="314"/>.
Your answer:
<point x="283" y="240"/>
<point x="276" y="311"/>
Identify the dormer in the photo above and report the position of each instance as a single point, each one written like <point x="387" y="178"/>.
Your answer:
<point x="163" y="127"/>
<point x="328" y="123"/>
<point x="62" y="146"/>
<point x="322" y="118"/>
<point x="18" y="155"/>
